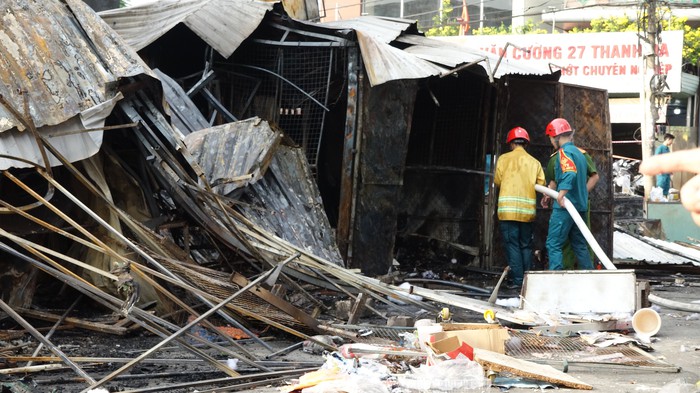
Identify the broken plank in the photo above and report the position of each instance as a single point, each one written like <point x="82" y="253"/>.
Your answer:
<point x="33" y="369"/>
<point x="541" y="372"/>
<point x="357" y="308"/>
<point x="94" y="326"/>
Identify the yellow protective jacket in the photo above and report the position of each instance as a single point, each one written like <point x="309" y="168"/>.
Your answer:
<point x="517" y="172"/>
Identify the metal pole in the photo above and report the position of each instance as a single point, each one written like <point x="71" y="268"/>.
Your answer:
<point x="157" y="325"/>
<point x="5" y="307"/>
<point x="187" y="327"/>
<point x="481" y="14"/>
<point x="647" y="98"/>
<point x="54" y="327"/>
<point x="142" y="253"/>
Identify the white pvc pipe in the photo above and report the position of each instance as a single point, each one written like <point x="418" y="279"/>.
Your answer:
<point x="581" y="226"/>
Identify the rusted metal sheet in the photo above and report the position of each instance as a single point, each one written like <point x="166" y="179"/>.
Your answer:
<point x="347" y="180"/>
<point x="302" y="9"/>
<point x="275" y="182"/>
<point x="223" y="24"/>
<point x="63" y="56"/>
<point x="59" y="67"/>
<point x="588" y="112"/>
<point x="235" y="154"/>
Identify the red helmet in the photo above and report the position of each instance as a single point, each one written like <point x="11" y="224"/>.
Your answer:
<point x="557" y="127"/>
<point x="517" y="133"/>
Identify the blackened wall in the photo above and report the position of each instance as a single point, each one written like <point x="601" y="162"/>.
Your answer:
<point x="385" y="125"/>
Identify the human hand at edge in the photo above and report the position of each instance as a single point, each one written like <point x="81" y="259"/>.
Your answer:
<point x="680" y="161"/>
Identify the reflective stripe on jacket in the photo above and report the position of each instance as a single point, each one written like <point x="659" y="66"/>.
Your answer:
<point x="517" y="172"/>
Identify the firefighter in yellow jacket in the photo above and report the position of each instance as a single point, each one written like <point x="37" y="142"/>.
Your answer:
<point x="517" y="172"/>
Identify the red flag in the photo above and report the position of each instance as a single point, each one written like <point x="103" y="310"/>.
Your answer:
<point x="464" y="19"/>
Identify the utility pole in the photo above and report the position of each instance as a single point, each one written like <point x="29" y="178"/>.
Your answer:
<point x="553" y="11"/>
<point x="481" y="14"/>
<point x="648" y="96"/>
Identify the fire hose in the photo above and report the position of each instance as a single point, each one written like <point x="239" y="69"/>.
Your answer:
<point x="581" y="226"/>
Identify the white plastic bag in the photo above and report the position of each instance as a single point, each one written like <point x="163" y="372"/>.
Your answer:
<point x="457" y="375"/>
<point x="657" y="195"/>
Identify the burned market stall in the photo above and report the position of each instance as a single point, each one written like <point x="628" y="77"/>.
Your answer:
<point x="400" y="131"/>
<point x="222" y="195"/>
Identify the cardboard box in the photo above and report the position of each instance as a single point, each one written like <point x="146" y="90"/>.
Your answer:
<point x="483" y="336"/>
<point x="452" y="348"/>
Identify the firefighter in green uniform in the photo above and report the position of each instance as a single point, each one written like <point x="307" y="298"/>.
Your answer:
<point x="569" y="259"/>
<point x="571" y="178"/>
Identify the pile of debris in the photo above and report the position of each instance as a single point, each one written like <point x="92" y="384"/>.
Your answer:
<point x="123" y="199"/>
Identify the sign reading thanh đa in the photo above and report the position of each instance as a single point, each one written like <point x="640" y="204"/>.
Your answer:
<point x="611" y="61"/>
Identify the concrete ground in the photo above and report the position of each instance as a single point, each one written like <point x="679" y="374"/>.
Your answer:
<point x="678" y="343"/>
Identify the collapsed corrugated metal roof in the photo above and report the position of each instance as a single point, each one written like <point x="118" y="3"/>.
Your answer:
<point x="233" y="154"/>
<point x="378" y="28"/>
<point x="385" y="63"/>
<point x="280" y="193"/>
<point x="185" y="116"/>
<point x="653" y="251"/>
<point x="453" y="55"/>
<point x="57" y="73"/>
<point x="223" y="24"/>
<point x="422" y="58"/>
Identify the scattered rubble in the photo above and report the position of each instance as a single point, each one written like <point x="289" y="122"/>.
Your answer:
<point x="182" y="208"/>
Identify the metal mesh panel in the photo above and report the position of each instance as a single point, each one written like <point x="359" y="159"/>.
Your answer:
<point x="440" y="198"/>
<point x="288" y="86"/>
<point x="218" y="284"/>
<point x="557" y="350"/>
<point x="447" y="135"/>
<point x="587" y="111"/>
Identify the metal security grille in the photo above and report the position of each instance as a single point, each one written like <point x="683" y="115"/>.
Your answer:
<point x="290" y="87"/>
<point x="445" y="130"/>
<point x="558" y="350"/>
